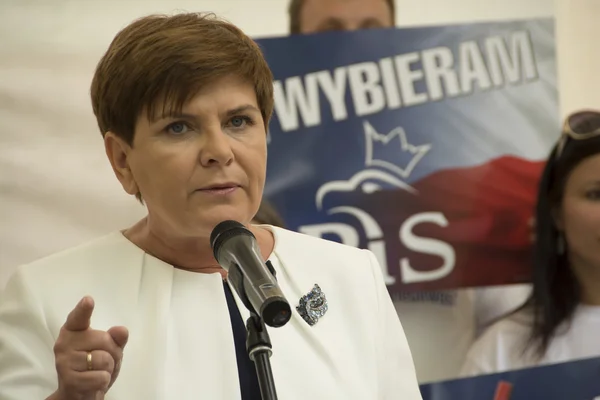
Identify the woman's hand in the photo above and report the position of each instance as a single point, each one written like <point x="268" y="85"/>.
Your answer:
<point x="87" y="360"/>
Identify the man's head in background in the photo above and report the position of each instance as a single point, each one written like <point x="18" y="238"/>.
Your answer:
<point x="311" y="16"/>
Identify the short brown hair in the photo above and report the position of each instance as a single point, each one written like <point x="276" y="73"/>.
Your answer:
<point x="162" y="59"/>
<point x="295" y="9"/>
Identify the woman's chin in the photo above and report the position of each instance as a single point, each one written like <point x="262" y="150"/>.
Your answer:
<point x="214" y="217"/>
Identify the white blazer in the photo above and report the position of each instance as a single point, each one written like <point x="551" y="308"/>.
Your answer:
<point x="181" y="344"/>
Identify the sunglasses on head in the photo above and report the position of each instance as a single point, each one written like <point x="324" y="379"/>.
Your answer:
<point x="579" y="126"/>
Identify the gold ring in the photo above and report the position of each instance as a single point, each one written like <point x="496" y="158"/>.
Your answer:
<point x="89" y="361"/>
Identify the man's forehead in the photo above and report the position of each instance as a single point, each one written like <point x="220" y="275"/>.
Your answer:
<point x="345" y="5"/>
<point x="315" y="12"/>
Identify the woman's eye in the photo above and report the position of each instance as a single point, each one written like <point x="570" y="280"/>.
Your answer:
<point x="237" y="122"/>
<point x="593" y="194"/>
<point x="177" y="128"/>
<point x="240" y="121"/>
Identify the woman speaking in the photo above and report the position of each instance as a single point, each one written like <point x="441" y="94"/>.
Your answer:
<point x="183" y="103"/>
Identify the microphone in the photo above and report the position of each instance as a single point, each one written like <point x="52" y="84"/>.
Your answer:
<point x="236" y="250"/>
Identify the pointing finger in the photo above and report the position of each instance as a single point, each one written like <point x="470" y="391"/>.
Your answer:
<point x="79" y="318"/>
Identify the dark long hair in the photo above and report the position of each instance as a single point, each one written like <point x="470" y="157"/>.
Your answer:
<point x="268" y="214"/>
<point x="556" y="291"/>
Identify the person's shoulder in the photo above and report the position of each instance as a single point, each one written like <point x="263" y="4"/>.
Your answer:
<point x="49" y="287"/>
<point x="502" y="347"/>
<point x="325" y="258"/>
<point x="509" y="330"/>
<point x="311" y="245"/>
<point x="83" y="256"/>
<point x="286" y="237"/>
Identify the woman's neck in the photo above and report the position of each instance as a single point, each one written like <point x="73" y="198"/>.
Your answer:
<point x="192" y="254"/>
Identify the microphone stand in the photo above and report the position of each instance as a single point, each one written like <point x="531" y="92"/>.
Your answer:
<point x="258" y="345"/>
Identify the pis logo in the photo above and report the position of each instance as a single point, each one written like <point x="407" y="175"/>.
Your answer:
<point x="380" y="173"/>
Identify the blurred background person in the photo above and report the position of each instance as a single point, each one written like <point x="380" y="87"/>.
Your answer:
<point x="183" y="104"/>
<point x="561" y="319"/>
<point x="440" y="326"/>
<point x="311" y="16"/>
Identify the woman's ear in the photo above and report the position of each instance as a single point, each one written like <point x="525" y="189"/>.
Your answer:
<point x="118" y="151"/>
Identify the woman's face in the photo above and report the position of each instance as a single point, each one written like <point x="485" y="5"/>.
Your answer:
<point x="580" y="213"/>
<point x="204" y="166"/>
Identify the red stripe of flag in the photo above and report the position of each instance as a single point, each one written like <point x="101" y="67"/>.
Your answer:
<point x="503" y="390"/>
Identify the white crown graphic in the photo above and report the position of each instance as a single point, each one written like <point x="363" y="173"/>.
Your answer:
<point x="377" y="143"/>
<point x="407" y="156"/>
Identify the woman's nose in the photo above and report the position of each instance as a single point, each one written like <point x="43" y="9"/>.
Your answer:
<point x="216" y="149"/>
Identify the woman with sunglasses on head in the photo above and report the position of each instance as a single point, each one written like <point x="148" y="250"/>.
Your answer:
<point x="561" y="319"/>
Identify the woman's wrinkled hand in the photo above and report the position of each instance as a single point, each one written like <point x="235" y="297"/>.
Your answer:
<point x="87" y="360"/>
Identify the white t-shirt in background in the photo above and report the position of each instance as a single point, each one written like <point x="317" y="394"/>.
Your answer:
<point x="502" y="347"/>
<point x="441" y="326"/>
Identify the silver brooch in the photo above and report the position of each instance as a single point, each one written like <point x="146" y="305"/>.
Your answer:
<point x="313" y="305"/>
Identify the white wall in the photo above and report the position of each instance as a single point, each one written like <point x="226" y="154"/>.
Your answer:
<point x="56" y="189"/>
<point x="578" y="44"/>
<point x="83" y="23"/>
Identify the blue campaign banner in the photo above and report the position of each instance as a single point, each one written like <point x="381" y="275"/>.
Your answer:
<point x="423" y="145"/>
<point x="577" y="380"/>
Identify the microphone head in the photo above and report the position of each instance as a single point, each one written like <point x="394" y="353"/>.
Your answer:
<point x="224" y="231"/>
